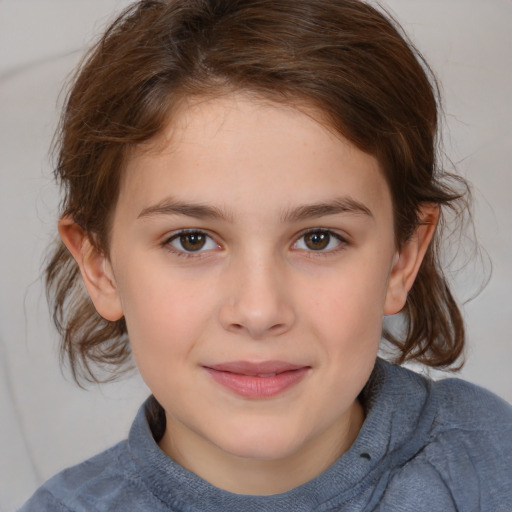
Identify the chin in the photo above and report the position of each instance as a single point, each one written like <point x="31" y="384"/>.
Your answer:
<point x="258" y="445"/>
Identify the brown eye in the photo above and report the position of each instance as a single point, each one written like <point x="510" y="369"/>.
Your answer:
<point x="192" y="241"/>
<point x="317" y="240"/>
<point x="320" y="240"/>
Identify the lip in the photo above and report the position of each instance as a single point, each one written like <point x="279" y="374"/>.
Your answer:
<point x="257" y="380"/>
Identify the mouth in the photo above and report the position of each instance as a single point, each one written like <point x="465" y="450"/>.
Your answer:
<point x="257" y="380"/>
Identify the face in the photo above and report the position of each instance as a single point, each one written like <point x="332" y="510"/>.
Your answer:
<point x="252" y="255"/>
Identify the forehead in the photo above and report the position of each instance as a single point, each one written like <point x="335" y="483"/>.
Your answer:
<point x="245" y="150"/>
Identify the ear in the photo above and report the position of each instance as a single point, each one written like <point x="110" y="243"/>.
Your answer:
<point x="408" y="259"/>
<point x="95" y="268"/>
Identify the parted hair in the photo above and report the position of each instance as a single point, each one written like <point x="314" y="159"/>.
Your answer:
<point x="345" y="58"/>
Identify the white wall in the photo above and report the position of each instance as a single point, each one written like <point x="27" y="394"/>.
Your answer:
<point x="47" y="422"/>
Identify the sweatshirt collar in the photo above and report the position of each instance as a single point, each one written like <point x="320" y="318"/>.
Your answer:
<point x="389" y="437"/>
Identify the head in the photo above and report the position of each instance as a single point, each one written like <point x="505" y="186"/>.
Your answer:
<point x="340" y="62"/>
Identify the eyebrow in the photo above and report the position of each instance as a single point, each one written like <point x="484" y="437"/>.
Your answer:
<point x="201" y="211"/>
<point x="335" y="207"/>
<point x="173" y="207"/>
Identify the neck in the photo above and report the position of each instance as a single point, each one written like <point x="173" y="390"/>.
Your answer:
<point x="252" y="476"/>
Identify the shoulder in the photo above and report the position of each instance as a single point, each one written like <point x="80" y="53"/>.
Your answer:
<point x="471" y="444"/>
<point x="104" y="482"/>
<point x="73" y="487"/>
<point x="454" y="404"/>
<point x="467" y="455"/>
<point x="472" y="421"/>
<point x="470" y="407"/>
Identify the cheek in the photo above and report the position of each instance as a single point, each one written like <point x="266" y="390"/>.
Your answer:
<point x="165" y="315"/>
<point x="351" y="296"/>
<point x="346" y="313"/>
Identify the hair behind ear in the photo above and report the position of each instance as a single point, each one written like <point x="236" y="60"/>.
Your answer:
<point x="88" y="341"/>
<point x="434" y="331"/>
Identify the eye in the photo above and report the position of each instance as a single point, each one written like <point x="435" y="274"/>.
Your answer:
<point x="191" y="241"/>
<point x="319" y="240"/>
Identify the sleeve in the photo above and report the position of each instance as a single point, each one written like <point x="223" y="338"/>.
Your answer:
<point x="477" y="468"/>
<point x="466" y="465"/>
<point x="473" y="451"/>
<point x="418" y="487"/>
<point x="44" y="501"/>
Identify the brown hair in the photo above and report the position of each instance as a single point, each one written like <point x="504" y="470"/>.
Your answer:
<point x="343" y="57"/>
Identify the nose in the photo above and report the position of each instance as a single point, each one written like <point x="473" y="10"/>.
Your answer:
<point x="258" y="301"/>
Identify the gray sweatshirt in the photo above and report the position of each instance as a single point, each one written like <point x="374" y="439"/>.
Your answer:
<point x="424" y="446"/>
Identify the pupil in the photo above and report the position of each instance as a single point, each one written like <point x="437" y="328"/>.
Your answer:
<point x="317" y="241"/>
<point x="193" y="241"/>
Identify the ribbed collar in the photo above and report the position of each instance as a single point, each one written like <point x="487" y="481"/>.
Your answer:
<point x="389" y="437"/>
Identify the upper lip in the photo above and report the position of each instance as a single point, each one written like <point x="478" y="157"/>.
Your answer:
<point x="253" y="368"/>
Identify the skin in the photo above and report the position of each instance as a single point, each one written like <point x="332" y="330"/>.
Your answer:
<point x="258" y="289"/>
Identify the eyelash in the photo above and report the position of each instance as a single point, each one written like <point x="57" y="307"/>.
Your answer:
<point x="342" y="243"/>
<point x="183" y="253"/>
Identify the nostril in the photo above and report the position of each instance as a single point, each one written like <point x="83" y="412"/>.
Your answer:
<point x="257" y="319"/>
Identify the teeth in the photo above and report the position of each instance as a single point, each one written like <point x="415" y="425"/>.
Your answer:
<point x="267" y="375"/>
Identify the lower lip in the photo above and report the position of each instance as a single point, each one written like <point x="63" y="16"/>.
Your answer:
<point x="252" y="386"/>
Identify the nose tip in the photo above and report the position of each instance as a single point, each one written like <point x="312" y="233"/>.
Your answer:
<point x="258" y="328"/>
<point x="259" y="305"/>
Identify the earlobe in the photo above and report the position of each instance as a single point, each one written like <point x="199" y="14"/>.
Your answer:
<point x="408" y="260"/>
<point x="95" y="268"/>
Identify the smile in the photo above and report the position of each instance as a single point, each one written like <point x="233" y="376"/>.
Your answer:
<point x="257" y="380"/>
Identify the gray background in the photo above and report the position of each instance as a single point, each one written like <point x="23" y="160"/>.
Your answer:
<point x="46" y="422"/>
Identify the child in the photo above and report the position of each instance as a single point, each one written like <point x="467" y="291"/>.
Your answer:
<point x="250" y="187"/>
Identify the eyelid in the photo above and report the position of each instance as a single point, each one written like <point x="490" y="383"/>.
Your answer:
<point x="167" y="242"/>
<point x="343" y="241"/>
